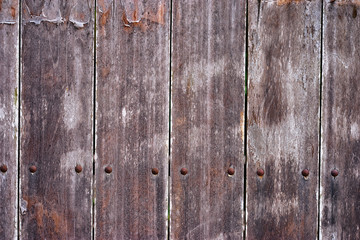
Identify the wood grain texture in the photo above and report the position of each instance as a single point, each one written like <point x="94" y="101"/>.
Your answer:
<point x="208" y="63"/>
<point x="9" y="69"/>
<point x="133" y="61"/>
<point x="340" y="146"/>
<point x="56" y="119"/>
<point x="283" y="118"/>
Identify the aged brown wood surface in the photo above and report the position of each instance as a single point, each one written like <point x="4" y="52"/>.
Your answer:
<point x="340" y="145"/>
<point x="208" y="63"/>
<point x="56" y="119"/>
<point x="133" y="61"/>
<point x="283" y="118"/>
<point x="9" y="68"/>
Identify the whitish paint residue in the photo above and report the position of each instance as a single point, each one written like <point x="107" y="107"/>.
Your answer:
<point x="70" y="159"/>
<point x="72" y="103"/>
<point x="9" y="22"/>
<point x="72" y="110"/>
<point x="80" y="14"/>
<point x="123" y="112"/>
<point x="50" y="13"/>
<point x="2" y="113"/>
<point x="355" y="131"/>
<point x="197" y="78"/>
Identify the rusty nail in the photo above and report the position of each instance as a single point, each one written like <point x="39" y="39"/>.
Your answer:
<point x="183" y="171"/>
<point x="108" y="169"/>
<point x="3" y="168"/>
<point x="32" y="169"/>
<point x="155" y="171"/>
<point x="334" y="172"/>
<point x="305" y="172"/>
<point x="78" y="168"/>
<point x="260" y="172"/>
<point x="231" y="171"/>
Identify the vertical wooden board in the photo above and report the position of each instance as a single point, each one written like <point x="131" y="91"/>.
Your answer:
<point x="133" y="45"/>
<point x="283" y="118"/>
<point x="56" y="119"/>
<point x="9" y="68"/>
<point x="207" y="136"/>
<point x="340" y="124"/>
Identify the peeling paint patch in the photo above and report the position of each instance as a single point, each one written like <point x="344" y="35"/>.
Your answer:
<point x="80" y="14"/>
<point x="50" y="13"/>
<point x="134" y="16"/>
<point x="23" y="206"/>
<point x="10" y="22"/>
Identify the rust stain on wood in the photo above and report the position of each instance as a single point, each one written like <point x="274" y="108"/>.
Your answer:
<point x="285" y="2"/>
<point x="104" y="17"/>
<point x="49" y="220"/>
<point x="159" y="17"/>
<point x="347" y="2"/>
<point x="105" y="71"/>
<point x="13" y="11"/>
<point x="143" y="19"/>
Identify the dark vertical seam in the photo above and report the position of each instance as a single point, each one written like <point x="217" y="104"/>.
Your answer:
<point x="245" y="120"/>
<point x="320" y="116"/>
<point x="19" y="116"/>
<point x="94" y="126"/>
<point x="169" y="143"/>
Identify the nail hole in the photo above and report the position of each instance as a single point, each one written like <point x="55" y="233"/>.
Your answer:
<point x="231" y="171"/>
<point x="183" y="171"/>
<point x="78" y="168"/>
<point x="3" y="168"/>
<point x="334" y="173"/>
<point x="155" y="171"/>
<point x="33" y="169"/>
<point x="260" y="172"/>
<point x="305" y="172"/>
<point x="108" y="169"/>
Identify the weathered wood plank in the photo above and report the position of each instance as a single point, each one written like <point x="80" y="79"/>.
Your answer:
<point x="340" y="145"/>
<point x="283" y="118"/>
<point x="56" y="119"/>
<point x="9" y="69"/>
<point x="133" y="58"/>
<point x="208" y="71"/>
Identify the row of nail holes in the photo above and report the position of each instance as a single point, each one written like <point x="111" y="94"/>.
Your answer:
<point x="231" y="171"/>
